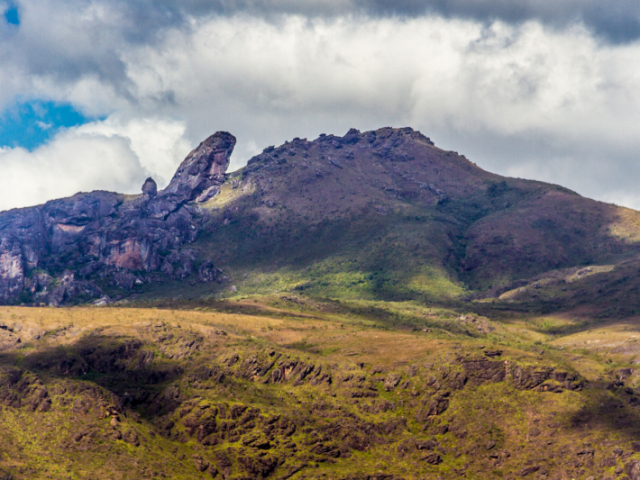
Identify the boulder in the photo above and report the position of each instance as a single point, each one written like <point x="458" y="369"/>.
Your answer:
<point x="124" y="280"/>
<point x="150" y="188"/>
<point x="207" y="272"/>
<point x="633" y="470"/>
<point x="438" y="404"/>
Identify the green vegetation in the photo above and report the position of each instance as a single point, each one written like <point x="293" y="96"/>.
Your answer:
<point x="286" y="386"/>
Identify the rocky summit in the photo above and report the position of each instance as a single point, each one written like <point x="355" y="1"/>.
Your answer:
<point x="357" y="307"/>
<point x="48" y="251"/>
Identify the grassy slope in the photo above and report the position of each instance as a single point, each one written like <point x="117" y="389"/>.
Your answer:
<point x="158" y="372"/>
<point x="371" y="267"/>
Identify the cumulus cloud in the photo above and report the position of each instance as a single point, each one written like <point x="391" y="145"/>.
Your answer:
<point x="109" y="155"/>
<point x="518" y="100"/>
<point x="140" y="21"/>
<point x="158" y="145"/>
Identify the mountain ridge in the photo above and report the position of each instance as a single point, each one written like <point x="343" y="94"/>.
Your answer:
<point x="387" y="201"/>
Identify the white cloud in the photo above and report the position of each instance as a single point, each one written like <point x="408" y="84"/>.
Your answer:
<point x="158" y="145"/>
<point x="105" y="155"/>
<point x="514" y="99"/>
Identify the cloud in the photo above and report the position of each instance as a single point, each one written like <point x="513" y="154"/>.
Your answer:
<point x="616" y="22"/>
<point x="513" y="98"/>
<point x="110" y="155"/>
<point x="139" y="21"/>
<point x="158" y="145"/>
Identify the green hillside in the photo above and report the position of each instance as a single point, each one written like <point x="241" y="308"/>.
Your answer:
<point x="388" y="216"/>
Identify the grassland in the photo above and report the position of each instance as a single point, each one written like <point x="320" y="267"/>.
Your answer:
<point x="285" y="386"/>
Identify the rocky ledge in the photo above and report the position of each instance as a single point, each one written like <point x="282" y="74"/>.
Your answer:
<point x="48" y="252"/>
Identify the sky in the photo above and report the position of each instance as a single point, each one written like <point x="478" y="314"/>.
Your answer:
<point x="101" y="94"/>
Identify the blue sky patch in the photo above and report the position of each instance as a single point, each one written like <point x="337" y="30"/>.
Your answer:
<point x="11" y="15"/>
<point x="31" y="124"/>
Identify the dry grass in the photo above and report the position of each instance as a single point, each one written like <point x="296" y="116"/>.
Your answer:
<point x="626" y="226"/>
<point x="340" y="337"/>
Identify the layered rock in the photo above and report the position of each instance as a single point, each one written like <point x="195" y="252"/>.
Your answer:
<point x="102" y="234"/>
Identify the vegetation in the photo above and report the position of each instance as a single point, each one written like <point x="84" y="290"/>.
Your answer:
<point x="367" y="313"/>
<point x="288" y="387"/>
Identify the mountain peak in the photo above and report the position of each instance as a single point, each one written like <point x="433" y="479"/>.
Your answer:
<point x="387" y="200"/>
<point x="202" y="172"/>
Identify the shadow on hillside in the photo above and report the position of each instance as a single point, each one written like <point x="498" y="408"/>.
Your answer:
<point x="126" y="367"/>
<point x="375" y="315"/>
<point x="612" y="409"/>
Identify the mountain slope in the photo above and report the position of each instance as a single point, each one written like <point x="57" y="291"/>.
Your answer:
<point x="302" y="390"/>
<point x="366" y="307"/>
<point x="377" y="215"/>
<point x="388" y="215"/>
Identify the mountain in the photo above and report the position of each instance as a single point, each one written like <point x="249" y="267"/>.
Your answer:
<point x="365" y="307"/>
<point x="380" y="215"/>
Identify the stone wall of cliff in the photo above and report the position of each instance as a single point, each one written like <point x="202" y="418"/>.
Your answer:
<point x="47" y="251"/>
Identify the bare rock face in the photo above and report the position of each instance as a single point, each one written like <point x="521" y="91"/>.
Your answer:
<point x="150" y="188"/>
<point x="103" y="235"/>
<point x="202" y="172"/>
<point x="11" y="273"/>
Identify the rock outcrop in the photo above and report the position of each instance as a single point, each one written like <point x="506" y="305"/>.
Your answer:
<point x="150" y="188"/>
<point x="200" y="175"/>
<point x="47" y="252"/>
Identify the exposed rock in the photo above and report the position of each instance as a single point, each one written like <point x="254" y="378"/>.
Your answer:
<point x="102" y="301"/>
<point x="203" y="169"/>
<point x="207" y="273"/>
<point x="102" y="233"/>
<point x="492" y="353"/>
<point x="633" y="470"/>
<point x="124" y="280"/>
<point x="150" y="188"/>
<point x="391" y="381"/>
<point x="438" y="404"/>
<point x="480" y="370"/>
<point x="200" y="463"/>
<point x="11" y="271"/>
<point x="131" y="437"/>
<point x="529" y="470"/>
<point x="432" y="458"/>
<point x="529" y="378"/>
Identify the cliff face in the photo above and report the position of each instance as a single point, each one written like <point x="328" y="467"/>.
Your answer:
<point x="47" y="250"/>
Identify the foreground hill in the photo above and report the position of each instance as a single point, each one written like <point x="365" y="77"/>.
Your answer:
<point x="381" y="215"/>
<point x="283" y="388"/>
